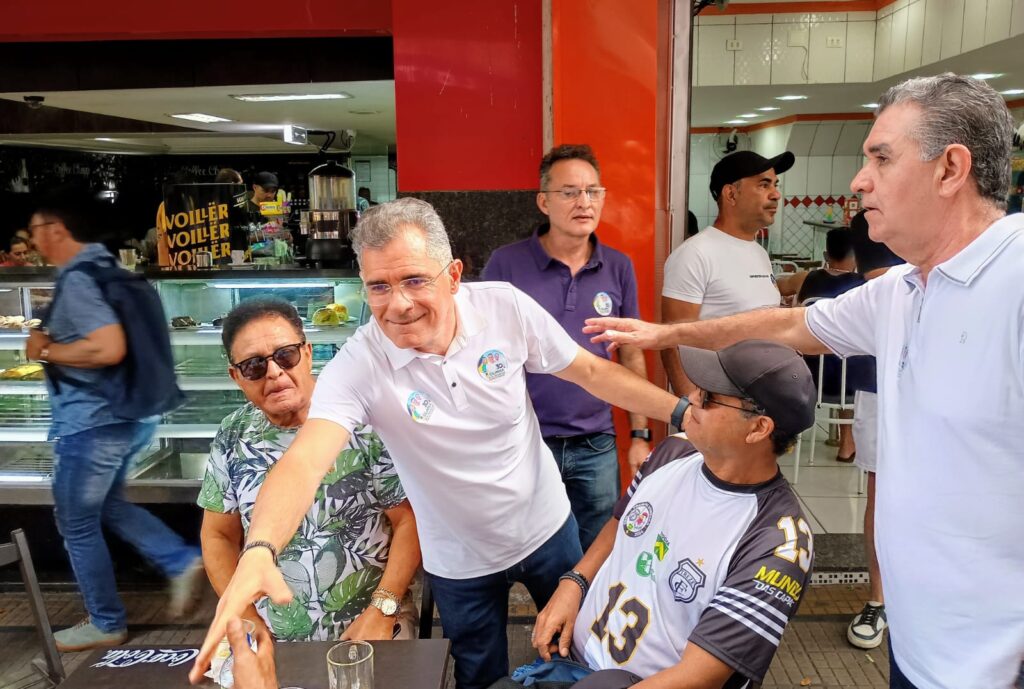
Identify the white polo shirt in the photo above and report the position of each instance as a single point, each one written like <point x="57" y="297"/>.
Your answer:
<point x="461" y="428"/>
<point x="949" y="513"/>
<point x="724" y="274"/>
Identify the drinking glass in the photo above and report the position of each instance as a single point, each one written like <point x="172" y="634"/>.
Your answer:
<point x="350" y="665"/>
<point x="128" y="258"/>
<point x="225" y="673"/>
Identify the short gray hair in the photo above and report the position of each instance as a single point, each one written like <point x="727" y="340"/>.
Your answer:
<point x="379" y="225"/>
<point x="961" y="110"/>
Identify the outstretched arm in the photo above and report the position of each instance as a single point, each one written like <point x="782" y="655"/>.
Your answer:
<point x="785" y="326"/>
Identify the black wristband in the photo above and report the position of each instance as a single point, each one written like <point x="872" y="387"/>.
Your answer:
<point x="677" y="413"/>
<point x="260" y="544"/>
<point x="577" y="578"/>
<point x="641" y="433"/>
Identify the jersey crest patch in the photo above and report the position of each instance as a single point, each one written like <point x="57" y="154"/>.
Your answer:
<point x="645" y="564"/>
<point x="686" y="581"/>
<point x="661" y="547"/>
<point x="638" y="519"/>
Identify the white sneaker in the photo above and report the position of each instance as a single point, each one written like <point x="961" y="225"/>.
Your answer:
<point x="865" y="630"/>
<point x="186" y="589"/>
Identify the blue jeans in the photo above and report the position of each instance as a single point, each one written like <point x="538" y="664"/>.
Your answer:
<point x="474" y="612"/>
<point x="590" y="471"/>
<point x="88" y="490"/>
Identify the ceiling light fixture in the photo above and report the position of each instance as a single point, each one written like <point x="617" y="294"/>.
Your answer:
<point x="872" y="106"/>
<point x="791" y="98"/>
<point x="200" y="117"/>
<point x="1012" y="92"/>
<point x="736" y="122"/>
<point x="986" y="75"/>
<point x="279" y="97"/>
<point x="102" y="138"/>
<point x="749" y="115"/>
<point x="767" y="109"/>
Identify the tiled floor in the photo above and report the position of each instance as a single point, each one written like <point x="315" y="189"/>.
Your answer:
<point x="813" y="652"/>
<point x="828" y="490"/>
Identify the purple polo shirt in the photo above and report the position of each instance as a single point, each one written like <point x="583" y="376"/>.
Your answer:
<point x="605" y="286"/>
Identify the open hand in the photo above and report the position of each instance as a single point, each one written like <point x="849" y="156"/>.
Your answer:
<point x="557" y="617"/>
<point x="254" y="577"/>
<point x="627" y="331"/>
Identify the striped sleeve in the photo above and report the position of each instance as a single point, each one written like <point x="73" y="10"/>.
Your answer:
<point x="767" y="575"/>
<point x="668" y="450"/>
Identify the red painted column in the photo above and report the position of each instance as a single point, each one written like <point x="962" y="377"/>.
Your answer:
<point x="467" y="94"/>
<point x="605" y="89"/>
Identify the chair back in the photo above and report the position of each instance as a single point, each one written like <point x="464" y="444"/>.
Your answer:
<point x="17" y="552"/>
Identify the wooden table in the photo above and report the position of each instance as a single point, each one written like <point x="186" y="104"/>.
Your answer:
<point x="421" y="663"/>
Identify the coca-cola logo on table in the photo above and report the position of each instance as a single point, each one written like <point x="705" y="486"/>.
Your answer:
<point x="161" y="656"/>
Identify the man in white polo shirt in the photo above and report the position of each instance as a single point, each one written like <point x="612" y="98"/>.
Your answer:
<point x="948" y="332"/>
<point x="440" y="374"/>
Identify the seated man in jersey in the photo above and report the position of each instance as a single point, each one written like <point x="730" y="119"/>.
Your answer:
<point x="356" y="551"/>
<point x="692" y="581"/>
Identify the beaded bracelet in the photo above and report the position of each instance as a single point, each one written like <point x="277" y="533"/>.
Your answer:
<point x="580" y="580"/>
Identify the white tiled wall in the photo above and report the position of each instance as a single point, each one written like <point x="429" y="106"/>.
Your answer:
<point x="900" y="37"/>
<point x="379" y="183"/>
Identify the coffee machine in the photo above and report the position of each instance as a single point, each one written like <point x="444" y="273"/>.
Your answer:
<point x="332" y="214"/>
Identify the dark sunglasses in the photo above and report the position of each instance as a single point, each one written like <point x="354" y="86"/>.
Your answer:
<point x="705" y="400"/>
<point x="285" y="357"/>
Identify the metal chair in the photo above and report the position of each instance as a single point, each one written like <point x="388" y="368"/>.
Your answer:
<point x="50" y="665"/>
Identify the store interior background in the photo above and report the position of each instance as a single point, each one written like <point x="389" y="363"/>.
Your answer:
<point x="456" y="107"/>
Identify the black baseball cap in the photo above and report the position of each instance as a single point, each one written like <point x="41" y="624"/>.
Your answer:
<point x="772" y="376"/>
<point x="267" y="180"/>
<point x="740" y="164"/>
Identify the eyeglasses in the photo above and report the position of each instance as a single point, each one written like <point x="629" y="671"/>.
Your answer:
<point x="413" y="288"/>
<point x="286" y="357"/>
<point x="572" y="193"/>
<point x="705" y="400"/>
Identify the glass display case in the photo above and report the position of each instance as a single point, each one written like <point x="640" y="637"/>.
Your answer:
<point x="171" y="470"/>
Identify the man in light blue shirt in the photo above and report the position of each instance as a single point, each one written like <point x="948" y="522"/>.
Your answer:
<point x="94" y="449"/>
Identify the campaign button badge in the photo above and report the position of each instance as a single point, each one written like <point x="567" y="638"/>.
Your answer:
<point x="602" y="303"/>
<point x="420" y="407"/>
<point x="492" y="365"/>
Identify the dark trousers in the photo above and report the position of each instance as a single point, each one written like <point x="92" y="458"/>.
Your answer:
<point x="474" y="612"/>
<point x="897" y="680"/>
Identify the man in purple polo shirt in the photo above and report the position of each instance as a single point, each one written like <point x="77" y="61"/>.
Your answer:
<point x="574" y="277"/>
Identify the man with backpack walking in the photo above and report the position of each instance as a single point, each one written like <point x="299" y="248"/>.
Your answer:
<point x="92" y="353"/>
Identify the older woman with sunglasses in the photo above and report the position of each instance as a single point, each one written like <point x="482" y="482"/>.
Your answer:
<point x="350" y="563"/>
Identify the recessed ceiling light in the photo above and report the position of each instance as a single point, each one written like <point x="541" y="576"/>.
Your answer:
<point x="767" y="109"/>
<point x="1012" y="92"/>
<point x="278" y="97"/>
<point x="736" y="122"/>
<point x="986" y="75"/>
<point x="791" y="98"/>
<point x="200" y="117"/>
<point x="749" y="115"/>
<point x="102" y="138"/>
<point x="869" y="105"/>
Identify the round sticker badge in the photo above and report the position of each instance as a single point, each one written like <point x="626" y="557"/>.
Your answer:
<point x="602" y="303"/>
<point x="420" y="407"/>
<point x="638" y="519"/>
<point x="492" y="365"/>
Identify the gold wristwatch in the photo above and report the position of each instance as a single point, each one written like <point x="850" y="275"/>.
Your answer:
<point x="385" y="601"/>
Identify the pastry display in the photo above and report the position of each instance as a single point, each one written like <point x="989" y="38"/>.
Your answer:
<point x="33" y="371"/>
<point x="327" y="316"/>
<point x="17" y="322"/>
<point x="183" y="322"/>
<point x="341" y="310"/>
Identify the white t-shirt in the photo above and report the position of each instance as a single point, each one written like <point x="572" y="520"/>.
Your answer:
<point x="723" y="274"/>
<point x="950" y="504"/>
<point x="461" y="429"/>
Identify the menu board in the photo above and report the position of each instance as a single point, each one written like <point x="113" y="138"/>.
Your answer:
<point x="198" y="218"/>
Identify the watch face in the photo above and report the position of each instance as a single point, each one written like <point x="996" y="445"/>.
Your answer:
<point x="386" y="606"/>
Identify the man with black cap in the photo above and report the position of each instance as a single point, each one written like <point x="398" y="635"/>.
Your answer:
<point x="699" y="570"/>
<point x="723" y="270"/>
<point x="264" y="189"/>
